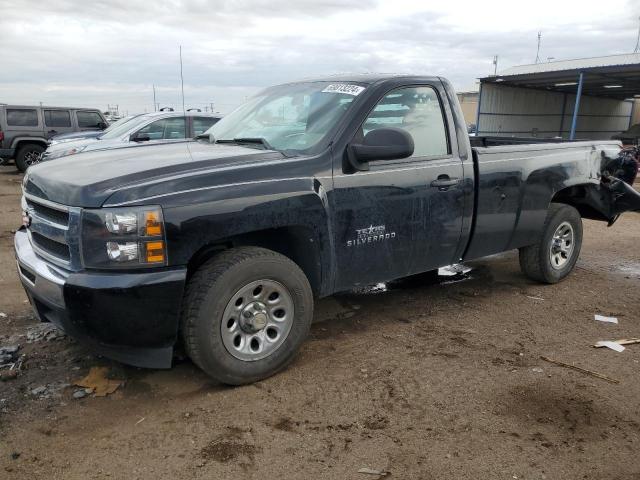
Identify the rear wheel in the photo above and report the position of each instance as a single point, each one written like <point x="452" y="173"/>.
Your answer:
<point x="557" y="250"/>
<point x="247" y="311"/>
<point x="28" y="155"/>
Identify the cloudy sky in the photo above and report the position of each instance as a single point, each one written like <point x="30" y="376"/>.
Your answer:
<point x="84" y="53"/>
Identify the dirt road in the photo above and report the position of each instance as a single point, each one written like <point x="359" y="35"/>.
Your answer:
<point x="425" y="381"/>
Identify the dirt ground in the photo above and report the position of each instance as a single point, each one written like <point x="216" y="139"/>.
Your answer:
<point x="424" y="381"/>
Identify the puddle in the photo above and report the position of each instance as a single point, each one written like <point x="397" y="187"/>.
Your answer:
<point x="632" y="269"/>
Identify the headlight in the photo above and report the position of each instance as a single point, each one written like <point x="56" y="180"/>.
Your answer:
<point x="123" y="237"/>
<point x="65" y="153"/>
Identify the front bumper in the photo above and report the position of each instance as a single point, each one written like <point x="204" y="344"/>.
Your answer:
<point x="129" y="317"/>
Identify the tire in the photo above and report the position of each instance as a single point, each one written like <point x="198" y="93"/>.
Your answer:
<point x="211" y="315"/>
<point x="549" y="263"/>
<point x="26" y="155"/>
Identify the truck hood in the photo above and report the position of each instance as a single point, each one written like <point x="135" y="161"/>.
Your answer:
<point x="89" y="179"/>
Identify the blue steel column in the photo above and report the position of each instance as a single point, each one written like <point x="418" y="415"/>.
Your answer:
<point x="576" y="108"/>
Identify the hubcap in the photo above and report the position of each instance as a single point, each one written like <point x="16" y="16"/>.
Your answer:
<point x="32" y="158"/>
<point x="561" y="245"/>
<point x="257" y="320"/>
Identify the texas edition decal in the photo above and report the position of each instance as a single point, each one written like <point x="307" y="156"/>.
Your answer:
<point x="371" y="234"/>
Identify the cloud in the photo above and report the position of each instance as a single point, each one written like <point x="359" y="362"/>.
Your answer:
<point x="99" y="53"/>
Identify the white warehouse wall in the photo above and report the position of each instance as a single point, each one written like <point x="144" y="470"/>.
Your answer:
<point x="524" y="112"/>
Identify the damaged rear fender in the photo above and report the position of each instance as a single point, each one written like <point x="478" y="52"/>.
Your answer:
<point x="604" y="201"/>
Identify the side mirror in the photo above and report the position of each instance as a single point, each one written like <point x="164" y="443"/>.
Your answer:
<point x="140" y="137"/>
<point x="380" y="144"/>
<point x="102" y="125"/>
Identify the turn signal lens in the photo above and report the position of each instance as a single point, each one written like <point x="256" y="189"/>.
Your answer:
<point x="152" y="223"/>
<point x="155" y="252"/>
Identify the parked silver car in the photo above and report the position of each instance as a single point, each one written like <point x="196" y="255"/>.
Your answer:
<point x="85" y="134"/>
<point x="149" y="128"/>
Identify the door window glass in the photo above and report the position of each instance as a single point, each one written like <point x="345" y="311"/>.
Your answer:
<point x="165" y="129"/>
<point x="22" y="118"/>
<point x="418" y="111"/>
<point x="202" y="124"/>
<point x="89" y="119"/>
<point x="57" y="118"/>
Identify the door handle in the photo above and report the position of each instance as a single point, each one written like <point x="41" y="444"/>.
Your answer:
<point x="444" y="182"/>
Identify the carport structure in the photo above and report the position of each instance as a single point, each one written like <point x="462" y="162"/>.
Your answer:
<point x="588" y="98"/>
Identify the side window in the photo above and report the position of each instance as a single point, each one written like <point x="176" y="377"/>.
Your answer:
<point x="89" y="119"/>
<point x="57" y="118"/>
<point x="165" y="129"/>
<point x="22" y="117"/>
<point x="202" y="124"/>
<point x="418" y="111"/>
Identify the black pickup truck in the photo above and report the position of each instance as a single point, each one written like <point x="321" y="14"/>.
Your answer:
<point x="307" y="189"/>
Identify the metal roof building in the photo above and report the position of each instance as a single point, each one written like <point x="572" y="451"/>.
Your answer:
<point x="587" y="98"/>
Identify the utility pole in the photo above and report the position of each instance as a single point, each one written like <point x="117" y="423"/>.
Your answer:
<point x="495" y="65"/>
<point x="154" y="98"/>
<point x="538" y="51"/>
<point x="637" y="49"/>
<point x="181" y="79"/>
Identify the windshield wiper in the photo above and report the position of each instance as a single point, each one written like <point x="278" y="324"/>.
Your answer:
<point x="252" y="140"/>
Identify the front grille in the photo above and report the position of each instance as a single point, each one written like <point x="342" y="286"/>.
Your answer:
<point x="57" y="216"/>
<point x="60" y="250"/>
<point x="54" y="231"/>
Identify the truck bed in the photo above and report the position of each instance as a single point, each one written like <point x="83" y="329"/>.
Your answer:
<point x="515" y="182"/>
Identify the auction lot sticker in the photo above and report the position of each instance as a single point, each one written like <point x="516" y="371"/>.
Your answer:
<point x="344" y="88"/>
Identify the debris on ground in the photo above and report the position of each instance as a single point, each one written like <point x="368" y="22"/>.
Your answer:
<point x="8" y="375"/>
<point x="622" y="341"/>
<point x="612" y="345"/>
<point x="8" y="354"/>
<point x="455" y="269"/>
<point x="98" y="382"/>
<point x="44" y="331"/>
<point x="3" y="315"/>
<point x="370" y="471"/>
<point x="602" y="318"/>
<point x="36" y="392"/>
<point x="81" y="393"/>
<point x="580" y="369"/>
<point x="534" y="298"/>
<point x="537" y="370"/>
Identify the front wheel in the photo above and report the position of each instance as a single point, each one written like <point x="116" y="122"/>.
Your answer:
<point x="28" y="155"/>
<point x="246" y="313"/>
<point x="558" y="248"/>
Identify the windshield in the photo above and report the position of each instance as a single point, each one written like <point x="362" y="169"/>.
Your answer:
<point x="117" y="123"/>
<point x="292" y="118"/>
<point x="119" y="130"/>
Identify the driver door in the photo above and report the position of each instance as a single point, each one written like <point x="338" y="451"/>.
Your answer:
<point x="402" y="216"/>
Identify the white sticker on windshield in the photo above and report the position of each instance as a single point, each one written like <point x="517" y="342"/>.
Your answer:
<point x="344" y="88"/>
